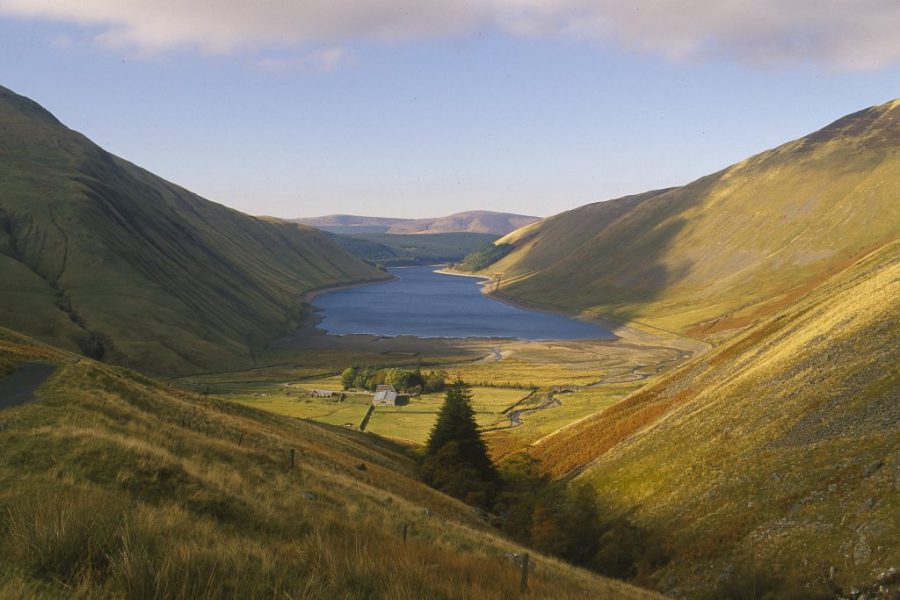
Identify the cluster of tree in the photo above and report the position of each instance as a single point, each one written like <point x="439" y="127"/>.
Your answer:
<point x="564" y="521"/>
<point x="412" y="381"/>
<point x="567" y="521"/>
<point x="484" y="257"/>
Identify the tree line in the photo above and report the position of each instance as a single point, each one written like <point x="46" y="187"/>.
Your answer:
<point x="411" y="381"/>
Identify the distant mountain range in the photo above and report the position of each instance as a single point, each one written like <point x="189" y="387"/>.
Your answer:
<point x="478" y="221"/>
<point x="100" y="256"/>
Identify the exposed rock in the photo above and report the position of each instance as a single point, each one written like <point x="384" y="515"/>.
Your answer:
<point x="861" y="552"/>
<point x="872" y="468"/>
<point x="889" y="577"/>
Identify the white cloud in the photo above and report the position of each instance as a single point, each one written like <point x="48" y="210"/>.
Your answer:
<point x="841" y="34"/>
<point x="322" y="61"/>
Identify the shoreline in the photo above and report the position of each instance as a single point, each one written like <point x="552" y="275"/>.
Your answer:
<point x="626" y="331"/>
<point x="618" y="331"/>
<point x="488" y="290"/>
<point x="311" y="295"/>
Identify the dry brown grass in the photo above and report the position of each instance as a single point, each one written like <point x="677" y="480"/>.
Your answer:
<point x="780" y="448"/>
<point x="114" y="486"/>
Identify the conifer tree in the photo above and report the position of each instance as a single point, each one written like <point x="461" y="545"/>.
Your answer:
<point x="457" y="461"/>
<point x="456" y="423"/>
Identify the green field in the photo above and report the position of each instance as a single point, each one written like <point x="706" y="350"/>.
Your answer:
<point x="573" y="406"/>
<point x="411" y="422"/>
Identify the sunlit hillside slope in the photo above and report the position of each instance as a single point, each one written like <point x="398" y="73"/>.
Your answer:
<point x="100" y="256"/>
<point x="114" y="486"/>
<point x="773" y="460"/>
<point x="728" y="248"/>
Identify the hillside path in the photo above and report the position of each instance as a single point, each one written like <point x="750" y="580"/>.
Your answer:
<point x="19" y="388"/>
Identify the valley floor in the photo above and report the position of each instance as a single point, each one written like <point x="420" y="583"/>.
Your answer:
<point x="524" y="390"/>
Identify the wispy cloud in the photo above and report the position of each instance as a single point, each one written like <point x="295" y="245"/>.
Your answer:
<point x="840" y="34"/>
<point x="320" y="61"/>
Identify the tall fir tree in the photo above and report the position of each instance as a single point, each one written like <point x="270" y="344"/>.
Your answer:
<point x="456" y="461"/>
<point x="456" y="423"/>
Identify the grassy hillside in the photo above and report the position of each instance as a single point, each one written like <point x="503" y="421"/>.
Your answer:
<point x="729" y="248"/>
<point x="100" y="256"/>
<point x="113" y="486"/>
<point x="476" y="221"/>
<point x="395" y="249"/>
<point x="772" y="459"/>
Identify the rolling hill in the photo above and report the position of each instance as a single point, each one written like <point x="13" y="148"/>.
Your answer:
<point x="727" y="249"/>
<point x="466" y="222"/>
<point x="409" y="249"/>
<point x="772" y="462"/>
<point x="100" y="256"/>
<point x="113" y="485"/>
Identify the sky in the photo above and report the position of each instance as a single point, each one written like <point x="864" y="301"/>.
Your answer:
<point x="418" y="109"/>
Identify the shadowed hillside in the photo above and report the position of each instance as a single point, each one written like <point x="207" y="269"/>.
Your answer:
<point x="100" y="256"/>
<point x="114" y="486"/>
<point x="772" y="461"/>
<point x="727" y="249"/>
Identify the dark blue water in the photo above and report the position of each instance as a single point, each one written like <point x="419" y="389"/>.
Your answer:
<point x="423" y="303"/>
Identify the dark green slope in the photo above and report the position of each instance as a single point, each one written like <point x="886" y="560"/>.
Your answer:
<point x="101" y="256"/>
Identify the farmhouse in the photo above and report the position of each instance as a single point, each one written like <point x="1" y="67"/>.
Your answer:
<point x="385" y="395"/>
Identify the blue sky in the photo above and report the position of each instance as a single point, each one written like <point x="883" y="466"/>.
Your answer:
<point x="431" y="114"/>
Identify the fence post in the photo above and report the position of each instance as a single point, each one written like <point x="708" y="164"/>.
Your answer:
<point x="405" y="526"/>
<point x="241" y="439"/>
<point x="523" y="586"/>
<point x="292" y="458"/>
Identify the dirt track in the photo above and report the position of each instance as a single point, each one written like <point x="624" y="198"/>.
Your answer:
<point x="19" y="388"/>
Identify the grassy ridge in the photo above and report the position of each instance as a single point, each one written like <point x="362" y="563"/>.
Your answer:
<point x="727" y="249"/>
<point x="115" y="486"/>
<point x="777" y="453"/>
<point x="100" y="256"/>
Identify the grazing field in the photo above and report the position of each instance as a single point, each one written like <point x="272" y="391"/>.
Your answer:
<point x="410" y="422"/>
<point x="571" y="407"/>
<point x="503" y="373"/>
<point x="113" y="485"/>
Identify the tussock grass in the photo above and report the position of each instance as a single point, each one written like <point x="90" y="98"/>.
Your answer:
<point x="114" y="486"/>
<point x="780" y="448"/>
